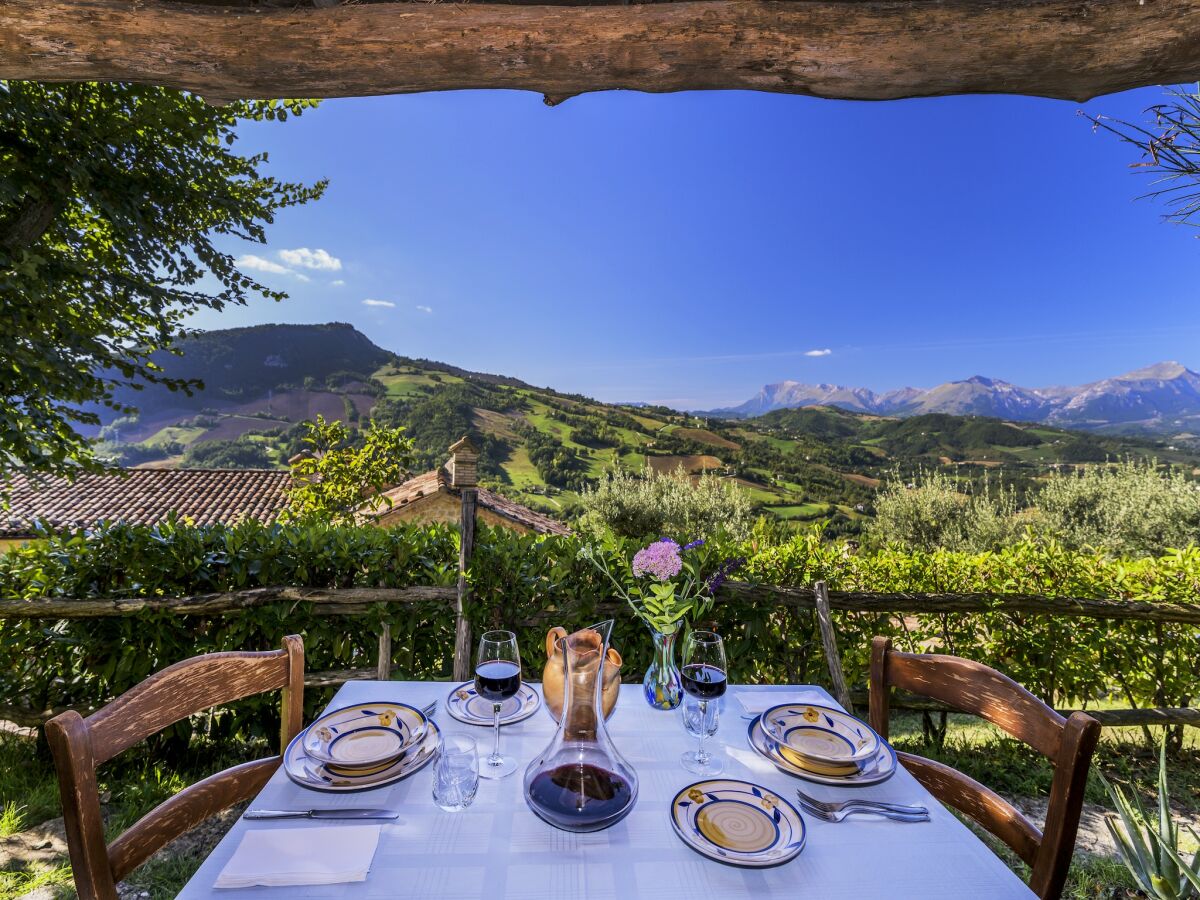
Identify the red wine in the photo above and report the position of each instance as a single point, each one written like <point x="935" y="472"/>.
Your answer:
<point x="497" y="680"/>
<point x="580" y="797"/>
<point x="703" y="682"/>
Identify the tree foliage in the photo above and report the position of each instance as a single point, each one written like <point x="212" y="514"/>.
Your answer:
<point x="1169" y="151"/>
<point x="113" y="201"/>
<point x="342" y="473"/>
<point x="671" y="505"/>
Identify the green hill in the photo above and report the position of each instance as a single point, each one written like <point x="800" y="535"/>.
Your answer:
<point x="543" y="447"/>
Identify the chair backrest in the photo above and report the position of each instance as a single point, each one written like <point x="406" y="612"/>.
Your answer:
<point x="975" y="688"/>
<point x="80" y="745"/>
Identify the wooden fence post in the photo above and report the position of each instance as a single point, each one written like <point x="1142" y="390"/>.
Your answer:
<point x="383" y="667"/>
<point x="462" y="625"/>
<point x="829" y="641"/>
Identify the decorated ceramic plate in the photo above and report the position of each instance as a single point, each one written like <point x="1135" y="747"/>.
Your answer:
<point x="316" y="775"/>
<point x="465" y="704"/>
<point x="738" y="823"/>
<point x="366" y="734"/>
<point x="874" y="771"/>
<point x="821" y="734"/>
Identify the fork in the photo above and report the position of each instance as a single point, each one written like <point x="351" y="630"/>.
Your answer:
<point x="863" y="811"/>
<point x="831" y="806"/>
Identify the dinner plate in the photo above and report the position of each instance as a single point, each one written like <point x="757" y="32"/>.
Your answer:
<point x="365" y="734"/>
<point x="821" y="734"/>
<point x="311" y="773"/>
<point x="465" y="704"/>
<point x="877" y="770"/>
<point x="738" y="823"/>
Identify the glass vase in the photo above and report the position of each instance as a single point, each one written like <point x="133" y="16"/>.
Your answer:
<point x="580" y="782"/>
<point x="662" y="685"/>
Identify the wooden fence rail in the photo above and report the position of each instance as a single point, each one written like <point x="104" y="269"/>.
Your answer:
<point x="352" y="601"/>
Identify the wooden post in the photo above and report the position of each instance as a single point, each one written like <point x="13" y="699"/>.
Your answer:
<point x="829" y="641"/>
<point x="383" y="668"/>
<point x="462" y="626"/>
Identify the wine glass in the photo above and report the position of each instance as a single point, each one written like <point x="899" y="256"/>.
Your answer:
<point x="497" y="677"/>
<point x="703" y="675"/>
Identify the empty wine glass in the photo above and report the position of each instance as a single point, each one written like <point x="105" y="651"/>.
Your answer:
<point x="497" y="677"/>
<point x="703" y="676"/>
<point x="456" y="773"/>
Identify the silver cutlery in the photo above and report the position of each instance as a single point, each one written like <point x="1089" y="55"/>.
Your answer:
<point x="839" y="806"/>
<point x="319" y="814"/>
<point x="824" y="816"/>
<point x="428" y="711"/>
<point x="863" y="811"/>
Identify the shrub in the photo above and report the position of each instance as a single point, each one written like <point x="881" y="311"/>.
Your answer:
<point x="1131" y="508"/>
<point x="668" y="505"/>
<point x="234" y="454"/>
<point x="932" y="512"/>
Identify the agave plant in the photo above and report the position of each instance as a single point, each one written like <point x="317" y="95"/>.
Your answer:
<point x="1150" y="850"/>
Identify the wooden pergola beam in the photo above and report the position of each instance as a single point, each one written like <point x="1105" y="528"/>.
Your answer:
<point x="869" y="49"/>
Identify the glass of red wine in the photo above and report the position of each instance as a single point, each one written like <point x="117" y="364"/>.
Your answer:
<point x="497" y="677"/>
<point x="703" y="676"/>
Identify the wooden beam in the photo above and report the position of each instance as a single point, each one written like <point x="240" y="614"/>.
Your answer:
<point x="870" y="50"/>
<point x="901" y="602"/>
<point x="337" y="601"/>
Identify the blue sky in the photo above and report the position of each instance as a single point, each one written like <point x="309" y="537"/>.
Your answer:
<point x="688" y="248"/>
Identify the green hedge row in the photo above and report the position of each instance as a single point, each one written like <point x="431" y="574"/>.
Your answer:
<point x="519" y="578"/>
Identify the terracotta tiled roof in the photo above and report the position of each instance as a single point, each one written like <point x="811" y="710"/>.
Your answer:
<point x="416" y="487"/>
<point x="522" y="514"/>
<point x="439" y="480"/>
<point x="145" y="496"/>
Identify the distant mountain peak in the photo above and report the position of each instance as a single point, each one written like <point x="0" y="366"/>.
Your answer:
<point x="1162" y="371"/>
<point x="1161" y="397"/>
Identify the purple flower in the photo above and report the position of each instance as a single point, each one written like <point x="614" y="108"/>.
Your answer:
<point x="694" y="544"/>
<point x="660" y="560"/>
<point x="723" y="572"/>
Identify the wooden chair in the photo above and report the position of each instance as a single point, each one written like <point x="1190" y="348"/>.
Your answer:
<point x="975" y="688"/>
<point x="80" y="745"/>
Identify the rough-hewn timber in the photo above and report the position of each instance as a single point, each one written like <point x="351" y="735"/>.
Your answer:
<point x="872" y="49"/>
<point x="336" y="600"/>
<point x="854" y="601"/>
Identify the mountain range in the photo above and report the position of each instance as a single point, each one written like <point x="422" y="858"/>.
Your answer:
<point x="1160" y="399"/>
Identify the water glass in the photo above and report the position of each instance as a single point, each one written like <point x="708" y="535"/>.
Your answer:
<point x="456" y="773"/>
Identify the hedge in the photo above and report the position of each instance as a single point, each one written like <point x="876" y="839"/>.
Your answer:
<point x="516" y="579"/>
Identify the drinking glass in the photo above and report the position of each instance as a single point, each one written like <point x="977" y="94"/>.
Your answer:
<point x="456" y="773"/>
<point x="703" y="676"/>
<point x="497" y="677"/>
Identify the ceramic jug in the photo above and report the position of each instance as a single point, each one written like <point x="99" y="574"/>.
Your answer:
<point x="552" y="675"/>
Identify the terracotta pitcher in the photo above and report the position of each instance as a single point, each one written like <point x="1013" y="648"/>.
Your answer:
<point x="552" y="675"/>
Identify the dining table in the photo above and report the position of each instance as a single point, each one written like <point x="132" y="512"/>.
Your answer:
<point x="499" y="850"/>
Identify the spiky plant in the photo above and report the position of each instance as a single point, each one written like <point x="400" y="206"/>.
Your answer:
<point x="1150" y="850"/>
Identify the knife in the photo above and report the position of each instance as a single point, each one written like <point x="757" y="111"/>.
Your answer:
<point x="319" y="814"/>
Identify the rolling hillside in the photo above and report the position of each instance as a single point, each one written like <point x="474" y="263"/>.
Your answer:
<point x="543" y="447"/>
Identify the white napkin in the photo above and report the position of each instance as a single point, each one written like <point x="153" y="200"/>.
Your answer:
<point x="292" y="856"/>
<point x="755" y="702"/>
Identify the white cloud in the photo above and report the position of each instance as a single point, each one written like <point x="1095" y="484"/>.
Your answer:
<point x="386" y="304"/>
<point x="824" y="352"/>
<point x="336" y="283"/>
<point x="311" y="259"/>
<point x="428" y="310"/>
<point x="250" y="261"/>
<point x="299" y="277"/>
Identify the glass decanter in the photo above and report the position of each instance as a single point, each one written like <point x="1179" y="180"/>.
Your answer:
<point x="580" y="782"/>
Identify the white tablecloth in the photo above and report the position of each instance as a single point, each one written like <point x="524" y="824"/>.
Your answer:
<point x="499" y="850"/>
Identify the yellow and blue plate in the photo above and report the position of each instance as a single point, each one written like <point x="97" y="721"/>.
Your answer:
<point x="874" y="771"/>
<point x="316" y="775"/>
<point x="821" y="734"/>
<point x="738" y="823"/>
<point x="465" y="704"/>
<point x="364" y="735"/>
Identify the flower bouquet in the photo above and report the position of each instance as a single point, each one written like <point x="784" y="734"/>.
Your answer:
<point x="664" y="585"/>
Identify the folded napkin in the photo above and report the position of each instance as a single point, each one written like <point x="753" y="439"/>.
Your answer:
<point x="755" y="702"/>
<point x="293" y="856"/>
